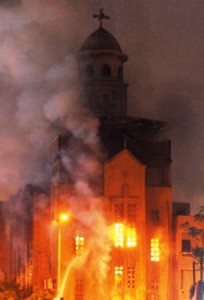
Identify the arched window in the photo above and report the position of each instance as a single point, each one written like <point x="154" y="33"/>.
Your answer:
<point x="120" y="73"/>
<point x="106" y="70"/>
<point x="89" y="71"/>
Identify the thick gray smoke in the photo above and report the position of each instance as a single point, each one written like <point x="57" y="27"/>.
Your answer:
<point x="39" y="98"/>
<point x="38" y="87"/>
<point x="37" y="72"/>
<point x="165" y="72"/>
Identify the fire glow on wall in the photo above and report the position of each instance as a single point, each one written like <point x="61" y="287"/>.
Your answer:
<point x="124" y="236"/>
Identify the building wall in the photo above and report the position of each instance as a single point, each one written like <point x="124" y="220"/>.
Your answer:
<point x="41" y="261"/>
<point x="124" y="186"/>
<point x="158" y="220"/>
<point x="183" y="267"/>
<point x="146" y="210"/>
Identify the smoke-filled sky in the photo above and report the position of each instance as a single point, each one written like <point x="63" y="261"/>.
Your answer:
<point x="164" y="40"/>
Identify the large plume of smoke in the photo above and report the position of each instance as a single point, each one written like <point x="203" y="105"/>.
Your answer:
<point x="39" y="88"/>
<point x="37" y="74"/>
<point x="164" y="50"/>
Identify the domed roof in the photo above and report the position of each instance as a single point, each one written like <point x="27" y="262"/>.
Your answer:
<point x="101" y="39"/>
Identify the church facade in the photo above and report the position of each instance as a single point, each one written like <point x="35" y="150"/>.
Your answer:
<point x="112" y="235"/>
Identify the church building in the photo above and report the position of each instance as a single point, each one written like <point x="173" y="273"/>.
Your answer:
<point x="107" y="234"/>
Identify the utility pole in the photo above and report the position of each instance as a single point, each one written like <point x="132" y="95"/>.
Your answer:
<point x="201" y="263"/>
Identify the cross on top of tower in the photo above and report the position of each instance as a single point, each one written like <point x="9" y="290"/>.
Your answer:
<point x="101" y="16"/>
<point x="125" y="141"/>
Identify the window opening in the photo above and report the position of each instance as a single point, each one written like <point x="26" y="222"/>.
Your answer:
<point x="89" y="71"/>
<point x="79" y="288"/>
<point x="154" y="250"/>
<point x="186" y="246"/>
<point x="131" y="237"/>
<point x="131" y="212"/>
<point x="79" y="245"/>
<point x="119" y="235"/>
<point x="154" y="215"/>
<point x="118" y="272"/>
<point x="119" y="210"/>
<point x="120" y="73"/>
<point x="106" y="70"/>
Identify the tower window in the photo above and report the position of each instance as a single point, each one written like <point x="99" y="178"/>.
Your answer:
<point x="120" y="73"/>
<point x="118" y="272"/>
<point x="154" y="250"/>
<point x="131" y="263"/>
<point x="79" y="288"/>
<point x="119" y="210"/>
<point x="119" y="235"/>
<point x="106" y="70"/>
<point x="186" y="246"/>
<point x="131" y="237"/>
<point x="131" y="212"/>
<point x="154" y="214"/>
<point x="79" y="245"/>
<point x="124" y="236"/>
<point x="131" y="277"/>
<point x="89" y="71"/>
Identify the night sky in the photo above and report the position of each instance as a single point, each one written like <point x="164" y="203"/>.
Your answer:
<point x="164" y="40"/>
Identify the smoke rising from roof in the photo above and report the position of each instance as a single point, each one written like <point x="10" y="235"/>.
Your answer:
<point x="165" y="70"/>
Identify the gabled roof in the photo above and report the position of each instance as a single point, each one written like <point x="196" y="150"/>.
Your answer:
<point x="128" y="153"/>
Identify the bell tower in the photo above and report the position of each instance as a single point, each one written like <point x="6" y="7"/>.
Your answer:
<point x="101" y="72"/>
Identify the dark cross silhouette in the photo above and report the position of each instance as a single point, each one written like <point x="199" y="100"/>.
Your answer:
<point x="101" y="16"/>
<point x="125" y="140"/>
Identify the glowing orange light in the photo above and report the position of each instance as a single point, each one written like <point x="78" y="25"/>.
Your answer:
<point x="131" y="237"/>
<point x="124" y="236"/>
<point x="119" y="235"/>
<point x="63" y="217"/>
<point x="118" y="270"/>
<point x="79" y="245"/>
<point x="155" y="250"/>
